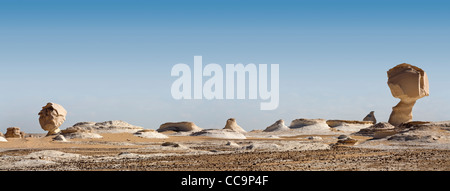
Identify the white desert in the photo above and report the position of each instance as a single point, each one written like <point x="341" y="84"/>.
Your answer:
<point x="306" y="144"/>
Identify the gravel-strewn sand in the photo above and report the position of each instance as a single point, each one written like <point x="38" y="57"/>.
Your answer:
<point x="125" y="151"/>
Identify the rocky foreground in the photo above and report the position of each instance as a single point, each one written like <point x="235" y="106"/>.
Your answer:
<point x="334" y="159"/>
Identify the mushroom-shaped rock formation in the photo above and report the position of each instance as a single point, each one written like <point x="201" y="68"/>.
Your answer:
<point x="179" y="126"/>
<point x="277" y="126"/>
<point x="232" y="125"/>
<point x="408" y="83"/>
<point x="371" y="117"/>
<point x="51" y="117"/>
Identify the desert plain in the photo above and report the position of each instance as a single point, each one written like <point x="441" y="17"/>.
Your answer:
<point x="350" y="146"/>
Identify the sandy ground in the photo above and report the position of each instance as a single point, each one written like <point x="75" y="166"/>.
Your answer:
<point x="124" y="151"/>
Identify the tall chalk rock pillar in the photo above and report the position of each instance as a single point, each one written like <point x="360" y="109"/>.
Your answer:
<point x="408" y="83"/>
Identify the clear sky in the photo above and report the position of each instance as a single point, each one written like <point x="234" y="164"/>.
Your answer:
<point x="111" y="60"/>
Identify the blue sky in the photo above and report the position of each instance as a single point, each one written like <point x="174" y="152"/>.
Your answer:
<point x="111" y="59"/>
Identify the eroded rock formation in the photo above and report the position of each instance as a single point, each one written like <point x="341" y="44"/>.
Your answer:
<point x="14" y="132"/>
<point x="348" y="126"/>
<point x="277" y="126"/>
<point x="51" y="117"/>
<point x="371" y="117"/>
<point x="423" y="132"/>
<point x="232" y="125"/>
<point x="408" y="83"/>
<point x="80" y="132"/>
<point x="379" y="130"/>
<point x="336" y="123"/>
<point x="299" y="123"/>
<point x="114" y="126"/>
<point x="310" y="126"/>
<point x="179" y="126"/>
